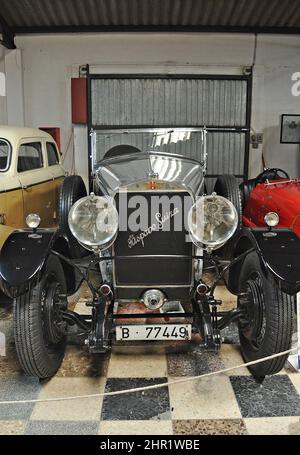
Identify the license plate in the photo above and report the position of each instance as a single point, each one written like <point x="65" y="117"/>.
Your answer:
<point x="154" y="332"/>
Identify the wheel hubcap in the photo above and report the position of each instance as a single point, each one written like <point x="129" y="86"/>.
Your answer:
<point x="253" y="325"/>
<point x="52" y="305"/>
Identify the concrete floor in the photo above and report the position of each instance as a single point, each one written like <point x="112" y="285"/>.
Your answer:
<point x="224" y="404"/>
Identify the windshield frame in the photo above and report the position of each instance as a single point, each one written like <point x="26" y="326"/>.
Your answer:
<point x="9" y="154"/>
<point x="136" y="130"/>
<point x="120" y="172"/>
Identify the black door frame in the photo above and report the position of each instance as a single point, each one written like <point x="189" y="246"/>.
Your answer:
<point x="246" y="128"/>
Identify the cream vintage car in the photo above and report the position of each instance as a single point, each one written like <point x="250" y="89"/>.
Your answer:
<point x="30" y="176"/>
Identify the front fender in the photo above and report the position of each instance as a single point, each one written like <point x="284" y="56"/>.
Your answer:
<point x="5" y="232"/>
<point x="279" y="252"/>
<point x="22" y="257"/>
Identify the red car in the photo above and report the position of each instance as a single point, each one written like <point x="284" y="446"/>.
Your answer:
<point x="272" y="199"/>
<point x="263" y="262"/>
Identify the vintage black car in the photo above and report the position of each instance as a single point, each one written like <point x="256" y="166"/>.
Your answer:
<point x="144" y="241"/>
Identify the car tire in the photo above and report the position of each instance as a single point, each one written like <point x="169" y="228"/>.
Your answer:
<point x="227" y="186"/>
<point x="72" y="189"/>
<point x="40" y="343"/>
<point x="246" y="188"/>
<point x="267" y="326"/>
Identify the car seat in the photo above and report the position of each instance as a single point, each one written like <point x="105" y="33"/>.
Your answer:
<point x="119" y="150"/>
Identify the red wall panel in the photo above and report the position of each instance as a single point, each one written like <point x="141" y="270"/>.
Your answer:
<point x="79" y="100"/>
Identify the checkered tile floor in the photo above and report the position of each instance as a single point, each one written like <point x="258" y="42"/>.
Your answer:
<point x="223" y="404"/>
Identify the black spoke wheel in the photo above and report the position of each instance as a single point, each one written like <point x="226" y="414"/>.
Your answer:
<point x="266" y="326"/>
<point x="52" y="306"/>
<point x="253" y="324"/>
<point x="39" y="329"/>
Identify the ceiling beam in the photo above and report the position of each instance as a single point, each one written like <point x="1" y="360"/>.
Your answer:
<point x="7" y="34"/>
<point x="154" y="28"/>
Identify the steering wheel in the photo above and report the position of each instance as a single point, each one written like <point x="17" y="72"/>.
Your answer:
<point x="271" y="174"/>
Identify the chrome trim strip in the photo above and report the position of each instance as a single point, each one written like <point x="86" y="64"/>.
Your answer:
<point x="183" y="189"/>
<point x="281" y="182"/>
<point x="31" y="186"/>
<point x="164" y="130"/>
<point x="9" y="154"/>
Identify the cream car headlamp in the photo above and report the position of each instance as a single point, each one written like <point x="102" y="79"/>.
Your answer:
<point x="212" y="220"/>
<point x="33" y="220"/>
<point x="93" y="220"/>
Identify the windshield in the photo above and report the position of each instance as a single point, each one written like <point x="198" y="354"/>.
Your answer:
<point x="189" y="142"/>
<point x="125" y="170"/>
<point x="4" y="155"/>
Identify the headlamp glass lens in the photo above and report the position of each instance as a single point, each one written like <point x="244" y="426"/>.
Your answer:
<point x="93" y="220"/>
<point x="212" y="221"/>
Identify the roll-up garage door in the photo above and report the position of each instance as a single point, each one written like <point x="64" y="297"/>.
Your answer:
<point x="131" y="103"/>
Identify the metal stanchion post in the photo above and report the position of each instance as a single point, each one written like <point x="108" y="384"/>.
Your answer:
<point x="298" y="330"/>
<point x="2" y="345"/>
<point x="294" y="359"/>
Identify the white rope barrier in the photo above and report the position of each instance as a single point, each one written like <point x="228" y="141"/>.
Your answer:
<point x="150" y="387"/>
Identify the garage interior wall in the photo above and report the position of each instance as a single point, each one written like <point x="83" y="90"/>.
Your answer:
<point x="3" y="107"/>
<point x="49" y="62"/>
<point x="182" y="101"/>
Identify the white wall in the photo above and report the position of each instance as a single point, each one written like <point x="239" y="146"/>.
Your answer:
<point x="50" y="61"/>
<point x="278" y="57"/>
<point x="3" y="107"/>
<point x="14" y="88"/>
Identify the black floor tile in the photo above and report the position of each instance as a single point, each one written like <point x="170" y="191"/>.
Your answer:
<point x="144" y="405"/>
<point x="275" y="397"/>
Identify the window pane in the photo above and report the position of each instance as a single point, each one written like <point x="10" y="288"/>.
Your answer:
<point x="52" y="154"/>
<point x="30" y="157"/>
<point x="4" y="155"/>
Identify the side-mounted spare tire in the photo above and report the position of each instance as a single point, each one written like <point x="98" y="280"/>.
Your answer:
<point x="72" y="189"/>
<point x="227" y="186"/>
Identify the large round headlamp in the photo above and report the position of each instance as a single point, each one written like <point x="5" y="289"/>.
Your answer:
<point x="212" y="220"/>
<point x="93" y="220"/>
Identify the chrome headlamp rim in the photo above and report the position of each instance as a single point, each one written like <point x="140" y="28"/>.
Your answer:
<point x="96" y="247"/>
<point x="200" y="241"/>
